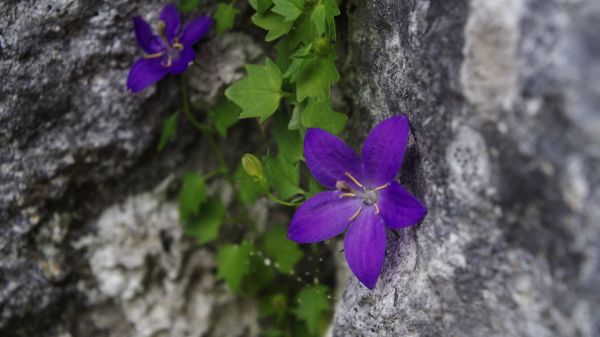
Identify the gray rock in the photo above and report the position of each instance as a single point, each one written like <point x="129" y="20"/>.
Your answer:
<point x="151" y="275"/>
<point x="78" y="157"/>
<point x="503" y="99"/>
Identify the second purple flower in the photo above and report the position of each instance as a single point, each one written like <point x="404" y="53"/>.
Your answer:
<point x="169" y="51"/>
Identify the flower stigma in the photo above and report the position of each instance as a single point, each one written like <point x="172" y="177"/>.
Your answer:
<point x="369" y="196"/>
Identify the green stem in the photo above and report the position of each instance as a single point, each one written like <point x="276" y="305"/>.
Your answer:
<point x="213" y="174"/>
<point x="282" y="202"/>
<point x="204" y="129"/>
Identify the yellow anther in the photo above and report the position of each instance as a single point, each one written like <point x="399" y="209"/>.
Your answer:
<point x="382" y="187"/>
<point x="353" y="179"/>
<point x="347" y="195"/>
<point x="355" y="214"/>
<point x="177" y="46"/>
<point x="376" y="209"/>
<point x="153" y="56"/>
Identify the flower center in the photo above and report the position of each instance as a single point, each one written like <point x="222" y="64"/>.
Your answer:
<point x="171" y="51"/>
<point x="369" y="196"/>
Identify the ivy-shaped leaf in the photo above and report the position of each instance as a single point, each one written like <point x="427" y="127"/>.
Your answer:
<point x="320" y="115"/>
<point x="289" y="142"/>
<point x="318" y="18"/>
<point x="191" y="195"/>
<point x="233" y="263"/>
<point x="258" y="93"/>
<point x="298" y="59"/>
<point x="285" y="252"/>
<point x="274" y="305"/>
<point x="283" y="176"/>
<point x="225" y="16"/>
<point x="168" y="130"/>
<point x="205" y="225"/>
<point x="289" y="9"/>
<point x="275" y="24"/>
<point x="248" y="189"/>
<point x="322" y="16"/>
<point x="261" y="273"/>
<point x="315" y="76"/>
<point x="261" y="6"/>
<point x="224" y="115"/>
<point x="312" y="305"/>
<point x="188" y="6"/>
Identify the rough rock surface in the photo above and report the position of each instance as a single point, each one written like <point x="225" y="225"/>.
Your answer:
<point x="77" y="161"/>
<point x="504" y="99"/>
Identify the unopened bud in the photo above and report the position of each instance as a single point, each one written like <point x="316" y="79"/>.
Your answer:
<point x="321" y="46"/>
<point x="252" y="166"/>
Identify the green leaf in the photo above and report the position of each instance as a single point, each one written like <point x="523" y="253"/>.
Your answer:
<point x="318" y="18"/>
<point x="299" y="57"/>
<point x="273" y="23"/>
<point x="274" y="305"/>
<point x="233" y="263"/>
<point x="261" y="273"/>
<point x="289" y="142"/>
<point x="191" y="195"/>
<point x="168" y="130"/>
<point x="263" y="5"/>
<point x="295" y="123"/>
<point x="312" y="305"/>
<point x="289" y="9"/>
<point x="258" y="93"/>
<point x="260" y="6"/>
<point x="187" y="6"/>
<point x="332" y="8"/>
<point x="283" y="176"/>
<point x="225" y="16"/>
<point x="249" y="189"/>
<point x="313" y="187"/>
<point x="205" y="225"/>
<point x="224" y="115"/>
<point x="315" y="76"/>
<point x="322" y="17"/>
<point x="319" y="115"/>
<point x="285" y="252"/>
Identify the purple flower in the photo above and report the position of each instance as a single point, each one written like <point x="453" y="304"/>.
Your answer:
<point x="168" y="52"/>
<point x="363" y="196"/>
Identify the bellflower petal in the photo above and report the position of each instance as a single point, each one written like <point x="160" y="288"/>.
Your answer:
<point x="322" y="217"/>
<point x="364" y="247"/>
<point x="170" y="16"/>
<point x="399" y="208"/>
<point x="328" y="158"/>
<point x="145" y="72"/>
<point x="186" y="56"/>
<point x="195" y="30"/>
<point x="383" y="150"/>
<point x="145" y="37"/>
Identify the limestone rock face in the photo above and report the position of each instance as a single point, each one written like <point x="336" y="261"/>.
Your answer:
<point x="503" y="98"/>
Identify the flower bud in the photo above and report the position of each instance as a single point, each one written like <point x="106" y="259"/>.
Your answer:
<point x="252" y="166"/>
<point x="254" y="169"/>
<point x="321" y="46"/>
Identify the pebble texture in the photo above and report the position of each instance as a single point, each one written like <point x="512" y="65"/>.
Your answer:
<point x="503" y="99"/>
<point x="87" y="248"/>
